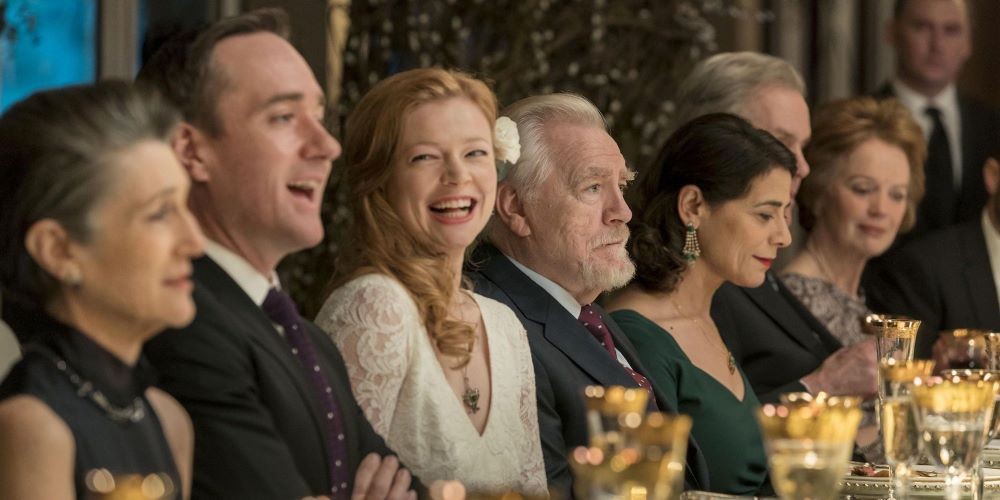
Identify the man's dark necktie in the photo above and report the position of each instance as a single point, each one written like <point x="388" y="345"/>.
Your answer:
<point x="940" y="174"/>
<point x="592" y="321"/>
<point x="281" y="309"/>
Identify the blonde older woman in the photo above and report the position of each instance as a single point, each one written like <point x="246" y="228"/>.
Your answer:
<point x="867" y="178"/>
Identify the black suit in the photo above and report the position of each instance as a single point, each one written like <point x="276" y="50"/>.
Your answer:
<point x="980" y="128"/>
<point x="566" y="359"/>
<point x="772" y="335"/>
<point x="258" y="427"/>
<point x="943" y="279"/>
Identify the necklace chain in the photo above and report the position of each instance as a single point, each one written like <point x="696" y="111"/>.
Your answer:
<point x="730" y="360"/>
<point x="131" y="413"/>
<point x="470" y="394"/>
<point x="820" y="263"/>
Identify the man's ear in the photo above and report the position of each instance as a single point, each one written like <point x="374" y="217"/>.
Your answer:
<point x="510" y="210"/>
<point x="991" y="175"/>
<point x="691" y="205"/>
<point x="189" y="144"/>
<point x="53" y="249"/>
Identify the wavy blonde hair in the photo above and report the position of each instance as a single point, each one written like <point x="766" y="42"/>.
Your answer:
<point x="841" y="126"/>
<point x="379" y="242"/>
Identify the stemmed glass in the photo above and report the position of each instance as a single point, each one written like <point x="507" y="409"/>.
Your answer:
<point x="655" y="454"/>
<point x="808" y="444"/>
<point x="900" y="439"/>
<point x="894" y="340"/>
<point x="608" y="409"/>
<point x="952" y="417"/>
<point x="993" y="423"/>
<point x="632" y="455"/>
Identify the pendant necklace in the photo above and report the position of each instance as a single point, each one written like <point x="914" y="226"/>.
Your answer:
<point x="470" y="397"/>
<point x="730" y="360"/>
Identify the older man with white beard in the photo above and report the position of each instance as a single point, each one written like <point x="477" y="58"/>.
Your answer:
<point x="556" y="242"/>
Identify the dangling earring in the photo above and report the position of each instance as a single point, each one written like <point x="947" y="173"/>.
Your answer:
<point x="691" y="250"/>
<point x="72" y="277"/>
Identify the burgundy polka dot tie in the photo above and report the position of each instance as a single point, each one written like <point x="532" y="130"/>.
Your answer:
<point x="281" y="309"/>
<point x="592" y="321"/>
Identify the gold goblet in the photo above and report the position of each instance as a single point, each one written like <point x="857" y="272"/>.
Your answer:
<point x="897" y="420"/>
<point x="608" y="409"/>
<point x="993" y="424"/>
<point x="952" y="418"/>
<point x="894" y="340"/>
<point x="808" y="444"/>
<point x="648" y="465"/>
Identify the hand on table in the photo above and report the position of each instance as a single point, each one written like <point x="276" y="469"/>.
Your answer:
<point x="849" y="371"/>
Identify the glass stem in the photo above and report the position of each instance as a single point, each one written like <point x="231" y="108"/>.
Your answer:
<point x="977" y="481"/>
<point x="900" y="481"/>
<point x="953" y="484"/>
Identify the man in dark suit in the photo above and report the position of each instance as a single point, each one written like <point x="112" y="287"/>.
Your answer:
<point x="267" y="391"/>
<point x="932" y="41"/>
<point x="949" y="278"/>
<point x="780" y="345"/>
<point x="558" y="241"/>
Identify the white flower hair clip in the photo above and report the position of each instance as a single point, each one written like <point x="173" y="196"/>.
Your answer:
<point x="506" y="142"/>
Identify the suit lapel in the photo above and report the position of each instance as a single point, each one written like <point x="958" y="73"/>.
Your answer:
<point x="249" y="318"/>
<point x="625" y="346"/>
<point x="559" y="327"/>
<point x="979" y="275"/>
<point x="767" y="298"/>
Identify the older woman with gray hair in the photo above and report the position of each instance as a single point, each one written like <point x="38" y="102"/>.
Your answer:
<point x="96" y="244"/>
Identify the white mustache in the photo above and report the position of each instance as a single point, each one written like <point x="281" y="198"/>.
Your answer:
<point x="613" y="236"/>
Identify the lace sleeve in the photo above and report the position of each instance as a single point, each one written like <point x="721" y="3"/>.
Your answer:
<point x="533" y="479"/>
<point x="369" y="319"/>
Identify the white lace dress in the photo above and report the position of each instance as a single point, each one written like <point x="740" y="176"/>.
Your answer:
<point x="400" y="385"/>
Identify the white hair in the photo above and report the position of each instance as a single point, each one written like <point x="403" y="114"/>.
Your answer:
<point x="726" y="83"/>
<point x="534" y="115"/>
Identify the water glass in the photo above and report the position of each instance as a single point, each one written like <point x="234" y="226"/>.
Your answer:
<point x="952" y="417"/>
<point x="808" y="445"/>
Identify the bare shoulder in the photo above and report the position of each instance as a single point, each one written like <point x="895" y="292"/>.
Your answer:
<point x="27" y="420"/>
<point x="170" y="412"/>
<point x="178" y="430"/>
<point x="37" y="451"/>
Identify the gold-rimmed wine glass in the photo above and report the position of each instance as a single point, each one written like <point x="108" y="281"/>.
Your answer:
<point x="897" y="421"/>
<point x="993" y="424"/>
<point x="894" y="339"/>
<point x="608" y="410"/>
<point x="649" y="463"/>
<point x="808" y="444"/>
<point x="952" y="418"/>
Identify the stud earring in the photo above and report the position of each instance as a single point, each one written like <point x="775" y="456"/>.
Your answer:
<point x="691" y="250"/>
<point x="72" y="277"/>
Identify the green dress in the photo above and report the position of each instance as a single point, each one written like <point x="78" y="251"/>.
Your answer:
<point x="724" y="427"/>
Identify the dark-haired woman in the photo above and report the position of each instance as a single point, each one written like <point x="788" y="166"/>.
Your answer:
<point x="708" y="211"/>
<point x="96" y="245"/>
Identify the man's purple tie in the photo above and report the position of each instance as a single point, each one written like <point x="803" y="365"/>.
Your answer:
<point x="281" y="309"/>
<point x="594" y="324"/>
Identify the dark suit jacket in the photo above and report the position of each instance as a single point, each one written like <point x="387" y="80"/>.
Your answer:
<point x="258" y="427"/>
<point x="772" y="335"/>
<point x="980" y="138"/>
<point x="943" y="279"/>
<point x="566" y="359"/>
